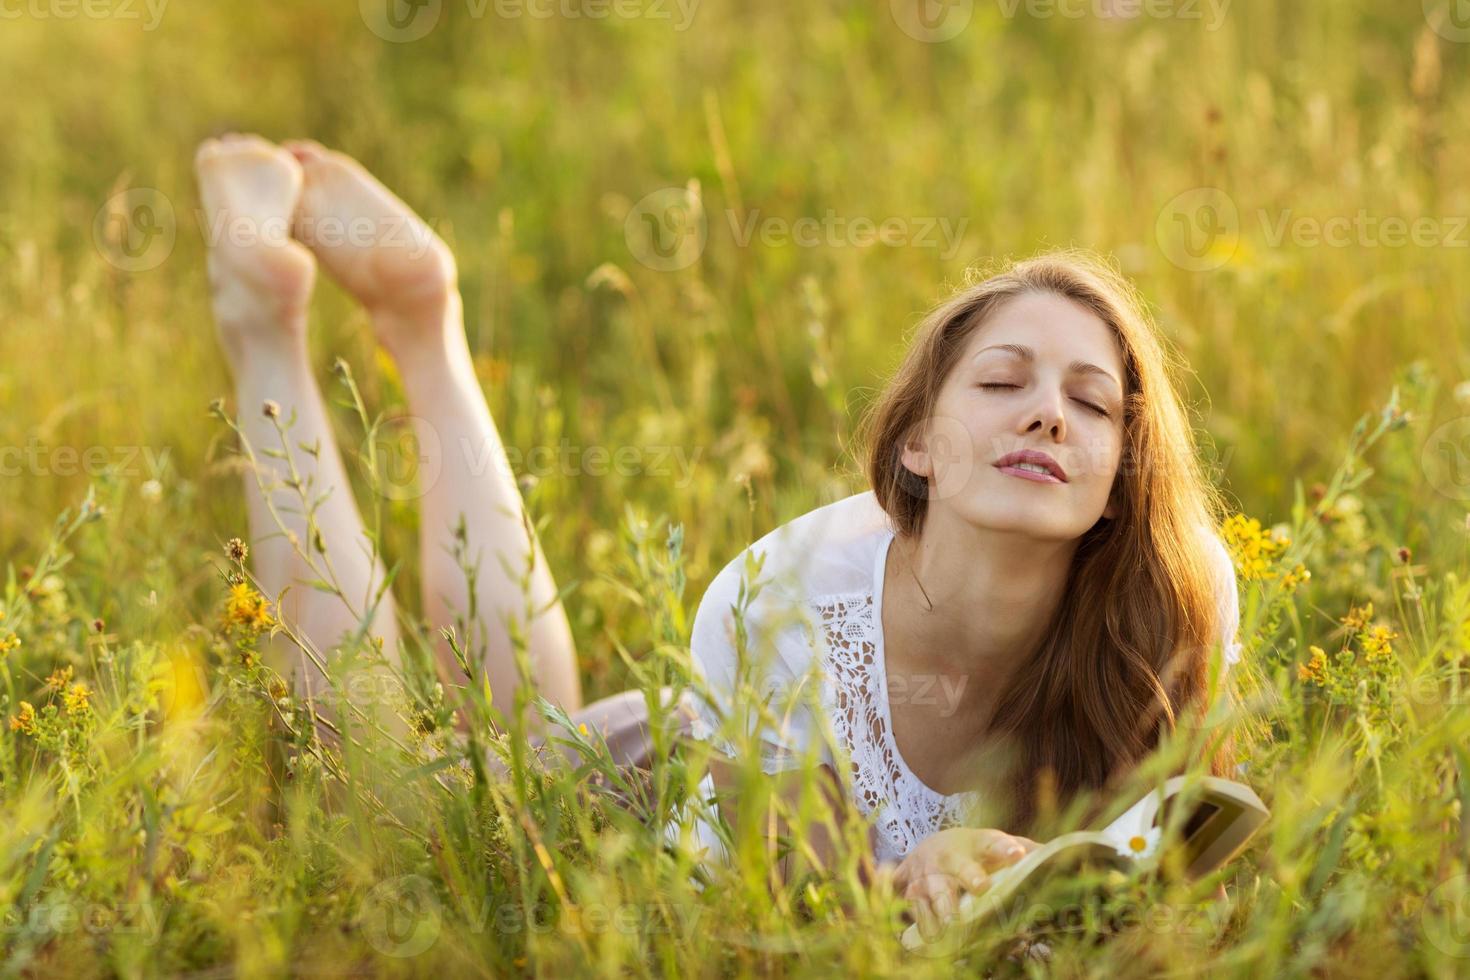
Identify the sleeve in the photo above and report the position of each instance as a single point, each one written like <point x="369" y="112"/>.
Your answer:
<point x="776" y="667"/>
<point x="1227" y="602"/>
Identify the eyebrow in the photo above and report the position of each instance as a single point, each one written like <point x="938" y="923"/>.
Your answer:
<point x="1028" y="355"/>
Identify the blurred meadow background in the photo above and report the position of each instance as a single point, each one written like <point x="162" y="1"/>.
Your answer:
<point x="702" y="233"/>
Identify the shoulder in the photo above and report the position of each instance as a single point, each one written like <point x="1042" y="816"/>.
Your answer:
<point x="1227" y="594"/>
<point x="1223" y="565"/>
<point x="828" y="550"/>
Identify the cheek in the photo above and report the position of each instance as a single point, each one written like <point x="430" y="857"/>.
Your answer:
<point x="1100" y="458"/>
<point x="956" y="453"/>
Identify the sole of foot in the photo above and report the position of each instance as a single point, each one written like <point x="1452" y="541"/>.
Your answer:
<point x="260" y="279"/>
<point x="373" y="245"/>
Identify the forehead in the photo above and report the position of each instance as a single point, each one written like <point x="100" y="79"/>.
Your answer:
<point x="1058" y="329"/>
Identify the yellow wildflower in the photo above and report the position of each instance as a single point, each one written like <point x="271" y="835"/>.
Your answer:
<point x="9" y="642"/>
<point x="76" y="698"/>
<point x="60" y="677"/>
<point x="25" y="721"/>
<point x="1252" y="548"/>
<point x="1376" y="643"/>
<point x="583" y="729"/>
<point x="1314" y="671"/>
<point x="1296" y="577"/>
<point x="1358" y="618"/>
<point x="248" y="608"/>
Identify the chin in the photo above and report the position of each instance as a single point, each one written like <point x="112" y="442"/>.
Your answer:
<point x="1025" y="518"/>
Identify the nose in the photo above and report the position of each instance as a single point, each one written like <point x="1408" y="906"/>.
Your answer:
<point x="1049" y="416"/>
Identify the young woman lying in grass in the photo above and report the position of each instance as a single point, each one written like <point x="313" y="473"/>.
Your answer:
<point x="1025" y="602"/>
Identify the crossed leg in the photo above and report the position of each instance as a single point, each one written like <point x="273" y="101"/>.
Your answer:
<point x="404" y="275"/>
<point x="260" y="283"/>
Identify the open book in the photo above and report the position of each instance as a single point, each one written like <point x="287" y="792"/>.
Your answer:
<point x="1224" y="816"/>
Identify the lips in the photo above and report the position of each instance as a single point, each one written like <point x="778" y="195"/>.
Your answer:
<point x="1033" y="456"/>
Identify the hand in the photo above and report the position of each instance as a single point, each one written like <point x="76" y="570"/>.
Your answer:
<point x="931" y="875"/>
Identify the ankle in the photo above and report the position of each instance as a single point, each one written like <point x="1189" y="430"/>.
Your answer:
<point x="420" y="311"/>
<point x="428" y="332"/>
<point x="253" y="351"/>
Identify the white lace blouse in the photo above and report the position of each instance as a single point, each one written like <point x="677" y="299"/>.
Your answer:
<point x="814" y="634"/>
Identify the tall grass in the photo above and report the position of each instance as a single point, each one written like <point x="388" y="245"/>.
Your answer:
<point x="177" y="815"/>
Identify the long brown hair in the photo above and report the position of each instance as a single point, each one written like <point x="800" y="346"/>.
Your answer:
<point x="1127" y="653"/>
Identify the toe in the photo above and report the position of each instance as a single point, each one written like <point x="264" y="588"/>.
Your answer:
<point x="306" y="151"/>
<point x="208" y="150"/>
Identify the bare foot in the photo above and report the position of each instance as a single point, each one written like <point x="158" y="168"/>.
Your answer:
<point x="259" y="278"/>
<point x="374" y="246"/>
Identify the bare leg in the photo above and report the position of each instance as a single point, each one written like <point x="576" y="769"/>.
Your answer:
<point x="260" y="282"/>
<point x="405" y="276"/>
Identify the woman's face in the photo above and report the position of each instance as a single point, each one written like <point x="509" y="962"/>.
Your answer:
<point x="1023" y="384"/>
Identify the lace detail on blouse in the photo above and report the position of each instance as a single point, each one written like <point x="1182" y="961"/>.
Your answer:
<point x="857" y="704"/>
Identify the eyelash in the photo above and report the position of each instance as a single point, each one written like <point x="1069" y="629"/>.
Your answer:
<point x="1099" y="411"/>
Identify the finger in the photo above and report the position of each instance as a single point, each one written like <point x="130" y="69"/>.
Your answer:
<point x="972" y="874"/>
<point x="938" y="882"/>
<point x="928" y="927"/>
<point x="944" y="901"/>
<point x="965" y="866"/>
<point x="998" y="850"/>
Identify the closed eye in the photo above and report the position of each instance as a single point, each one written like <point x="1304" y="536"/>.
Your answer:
<point x="1101" y="411"/>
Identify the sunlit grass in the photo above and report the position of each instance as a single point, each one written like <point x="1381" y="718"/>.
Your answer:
<point x="166" y="809"/>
